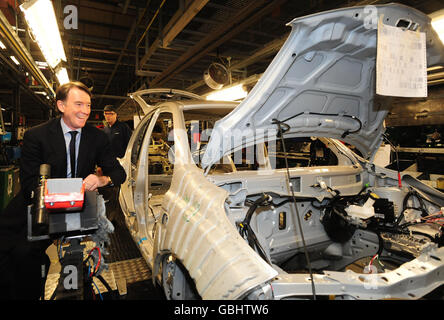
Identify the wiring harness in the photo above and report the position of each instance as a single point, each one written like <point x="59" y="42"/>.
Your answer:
<point x="247" y="232"/>
<point x="93" y="266"/>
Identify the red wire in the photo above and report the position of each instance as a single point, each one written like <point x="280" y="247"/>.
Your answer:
<point x="371" y="262"/>
<point x="100" y="258"/>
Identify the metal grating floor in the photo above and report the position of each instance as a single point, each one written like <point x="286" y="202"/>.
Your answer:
<point x="122" y="246"/>
<point x="122" y="272"/>
<point x="127" y="268"/>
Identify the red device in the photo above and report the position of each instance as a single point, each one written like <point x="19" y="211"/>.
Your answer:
<point x="64" y="194"/>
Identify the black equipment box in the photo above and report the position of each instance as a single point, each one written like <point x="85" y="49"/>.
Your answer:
<point x="68" y="224"/>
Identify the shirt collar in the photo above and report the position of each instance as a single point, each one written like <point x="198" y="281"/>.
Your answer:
<point x="67" y="129"/>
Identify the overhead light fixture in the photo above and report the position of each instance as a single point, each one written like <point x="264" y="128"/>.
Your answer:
<point x="41" y="19"/>
<point x="62" y="76"/>
<point x="233" y="93"/>
<point x="2" y="46"/>
<point x="41" y="64"/>
<point x="15" y="60"/>
<point x="438" y="23"/>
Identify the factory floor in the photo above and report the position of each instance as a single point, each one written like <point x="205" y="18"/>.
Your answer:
<point x="128" y="274"/>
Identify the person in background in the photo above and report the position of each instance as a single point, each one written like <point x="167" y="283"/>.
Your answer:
<point x="119" y="135"/>
<point x="118" y="132"/>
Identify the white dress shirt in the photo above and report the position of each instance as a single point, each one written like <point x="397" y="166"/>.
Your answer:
<point x="67" y="137"/>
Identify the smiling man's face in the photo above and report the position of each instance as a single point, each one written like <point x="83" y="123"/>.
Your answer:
<point x="76" y="108"/>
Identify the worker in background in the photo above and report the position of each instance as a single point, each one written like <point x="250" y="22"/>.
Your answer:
<point x="72" y="148"/>
<point x="119" y="135"/>
<point x="118" y="132"/>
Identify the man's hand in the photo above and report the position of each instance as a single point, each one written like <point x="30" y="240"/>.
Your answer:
<point x="92" y="182"/>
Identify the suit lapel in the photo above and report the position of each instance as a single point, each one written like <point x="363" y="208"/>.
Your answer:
<point x="57" y="142"/>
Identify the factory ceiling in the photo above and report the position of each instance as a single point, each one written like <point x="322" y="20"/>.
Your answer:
<point x="120" y="46"/>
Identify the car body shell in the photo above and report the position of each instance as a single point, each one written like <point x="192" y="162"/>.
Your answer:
<point x="195" y="220"/>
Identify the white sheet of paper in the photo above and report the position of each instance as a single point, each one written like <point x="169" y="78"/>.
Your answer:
<point x="401" y="62"/>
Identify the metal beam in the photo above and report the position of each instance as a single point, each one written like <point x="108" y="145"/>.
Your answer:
<point x="150" y="23"/>
<point x="435" y="82"/>
<point x="76" y="37"/>
<point x="125" y="6"/>
<point x="421" y="150"/>
<point x="107" y="96"/>
<point x="435" y="76"/>
<point x="268" y="50"/>
<point x="130" y="34"/>
<point x="95" y="70"/>
<point x="184" y="19"/>
<point x="101" y="61"/>
<point x="240" y="21"/>
<point x="105" y="51"/>
<point x="147" y="73"/>
<point x="176" y="24"/>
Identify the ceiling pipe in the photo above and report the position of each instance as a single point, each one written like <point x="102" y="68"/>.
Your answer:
<point x="150" y="23"/>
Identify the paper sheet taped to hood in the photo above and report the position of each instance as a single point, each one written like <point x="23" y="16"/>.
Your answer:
<point x="401" y="62"/>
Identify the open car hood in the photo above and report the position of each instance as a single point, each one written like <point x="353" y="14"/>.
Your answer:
<point x="321" y="83"/>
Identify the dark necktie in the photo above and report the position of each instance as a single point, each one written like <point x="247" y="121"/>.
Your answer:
<point x="72" y="153"/>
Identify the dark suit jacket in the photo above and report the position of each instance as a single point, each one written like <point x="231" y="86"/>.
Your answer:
<point x="45" y="144"/>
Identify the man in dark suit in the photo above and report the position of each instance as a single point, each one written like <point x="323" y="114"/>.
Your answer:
<point x="73" y="149"/>
<point x="49" y="143"/>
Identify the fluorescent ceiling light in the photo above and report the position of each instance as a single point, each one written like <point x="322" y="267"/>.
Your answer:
<point x="42" y="21"/>
<point x="228" y="94"/>
<point x="15" y="60"/>
<point x="438" y="23"/>
<point x="41" y="63"/>
<point x="62" y="76"/>
<point x="2" y="45"/>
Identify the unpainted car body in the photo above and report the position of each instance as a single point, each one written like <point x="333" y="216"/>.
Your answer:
<point x="288" y="221"/>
